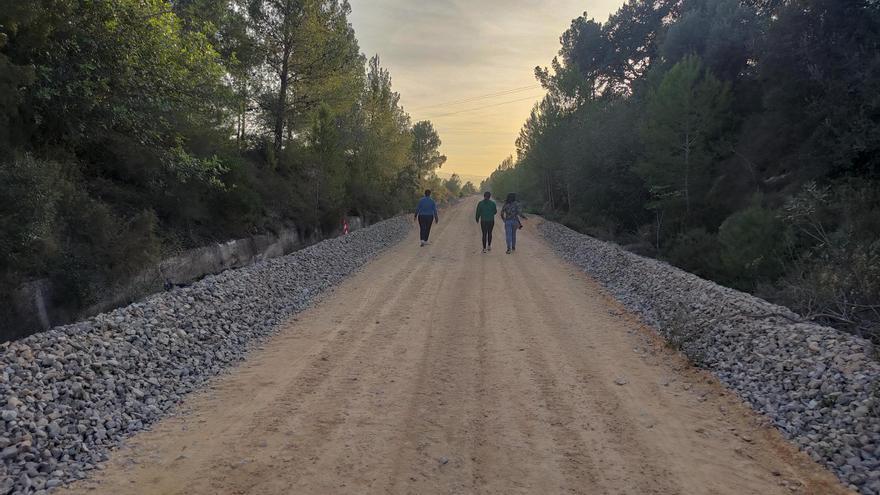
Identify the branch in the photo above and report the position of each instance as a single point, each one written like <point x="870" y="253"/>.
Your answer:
<point x="833" y="317"/>
<point x="154" y="14"/>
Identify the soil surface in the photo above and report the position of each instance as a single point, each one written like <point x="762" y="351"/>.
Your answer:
<point x="443" y="370"/>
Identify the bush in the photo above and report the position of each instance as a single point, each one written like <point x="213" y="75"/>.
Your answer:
<point x="697" y="251"/>
<point x="574" y="222"/>
<point x="836" y="277"/>
<point x="98" y="248"/>
<point x="28" y="206"/>
<point x="753" y="246"/>
<point x="839" y="288"/>
<point x="53" y="229"/>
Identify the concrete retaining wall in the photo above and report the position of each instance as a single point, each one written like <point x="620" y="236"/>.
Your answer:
<point x="38" y="307"/>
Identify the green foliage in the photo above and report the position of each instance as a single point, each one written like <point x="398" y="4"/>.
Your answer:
<point x="607" y="59"/>
<point x="453" y="185"/>
<point x="54" y="229"/>
<point x="134" y="128"/>
<point x="753" y="247"/>
<point x="468" y="189"/>
<point x="836" y="277"/>
<point x="121" y="68"/>
<point x="28" y="209"/>
<point x="683" y="118"/>
<point x="424" y="159"/>
<point x="425" y="150"/>
<point x="381" y="148"/>
<point x="309" y="56"/>
<point x="503" y="180"/>
<point x="697" y="251"/>
<point x="721" y="32"/>
<point x="99" y="248"/>
<point x="820" y="76"/>
<point x="13" y="80"/>
<point x="661" y="126"/>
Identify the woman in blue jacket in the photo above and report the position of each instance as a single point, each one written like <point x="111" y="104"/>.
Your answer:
<point x="426" y="214"/>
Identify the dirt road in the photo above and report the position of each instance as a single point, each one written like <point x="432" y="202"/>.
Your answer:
<point x="443" y="370"/>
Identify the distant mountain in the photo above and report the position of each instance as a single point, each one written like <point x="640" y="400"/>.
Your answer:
<point x="476" y="179"/>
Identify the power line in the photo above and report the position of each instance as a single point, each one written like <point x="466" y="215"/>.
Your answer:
<point x="466" y="131"/>
<point x="481" y="108"/>
<point x="481" y="97"/>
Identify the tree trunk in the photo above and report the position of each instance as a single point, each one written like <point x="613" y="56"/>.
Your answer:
<point x="658" y="216"/>
<point x="687" y="178"/>
<point x="568" y="181"/>
<point x="550" y="192"/>
<point x="242" y="123"/>
<point x="282" y="100"/>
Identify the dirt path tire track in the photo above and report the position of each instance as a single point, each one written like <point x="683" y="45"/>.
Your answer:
<point x="442" y="370"/>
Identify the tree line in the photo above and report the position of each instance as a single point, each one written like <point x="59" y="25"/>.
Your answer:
<point x="735" y="139"/>
<point x="130" y="129"/>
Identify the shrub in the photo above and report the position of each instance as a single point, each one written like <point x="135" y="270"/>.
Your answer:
<point x="54" y="229"/>
<point x="697" y="251"/>
<point x="836" y="277"/>
<point x="28" y="206"/>
<point x="753" y="247"/>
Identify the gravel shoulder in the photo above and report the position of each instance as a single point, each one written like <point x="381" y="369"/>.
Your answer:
<point x="442" y="370"/>
<point x="820" y="387"/>
<point x="69" y="394"/>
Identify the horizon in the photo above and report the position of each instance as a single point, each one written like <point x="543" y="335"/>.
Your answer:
<point x="469" y="69"/>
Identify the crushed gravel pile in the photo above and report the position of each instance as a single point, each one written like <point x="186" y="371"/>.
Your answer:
<point x="820" y="387"/>
<point x="71" y="393"/>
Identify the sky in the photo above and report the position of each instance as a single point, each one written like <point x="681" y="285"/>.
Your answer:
<point x="441" y="52"/>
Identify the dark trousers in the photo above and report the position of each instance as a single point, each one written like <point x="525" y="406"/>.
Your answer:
<point x="486" y="227"/>
<point x="425" y="222"/>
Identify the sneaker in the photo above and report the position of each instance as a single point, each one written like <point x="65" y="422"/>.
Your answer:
<point x="422" y="244"/>
<point x="508" y="251"/>
<point x="484" y="250"/>
<point x="489" y="248"/>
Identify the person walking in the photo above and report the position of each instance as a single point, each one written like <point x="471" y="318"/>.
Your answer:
<point x="485" y="216"/>
<point x="510" y="214"/>
<point x="426" y="214"/>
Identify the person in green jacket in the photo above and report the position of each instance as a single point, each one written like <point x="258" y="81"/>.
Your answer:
<point x="485" y="216"/>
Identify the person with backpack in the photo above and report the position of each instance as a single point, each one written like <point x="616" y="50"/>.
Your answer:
<point x="485" y="216"/>
<point x="426" y="214"/>
<point x="511" y="214"/>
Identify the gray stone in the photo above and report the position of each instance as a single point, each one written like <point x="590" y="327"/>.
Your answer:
<point x="815" y="384"/>
<point x="6" y="485"/>
<point x="79" y="389"/>
<point x="8" y="452"/>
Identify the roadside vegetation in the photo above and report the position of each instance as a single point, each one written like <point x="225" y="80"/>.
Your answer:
<point x="737" y="140"/>
<point x="130" y="129"/>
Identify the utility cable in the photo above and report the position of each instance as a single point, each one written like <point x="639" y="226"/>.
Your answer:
<point x="483" y="107"/>
<point x="481" y="97"/>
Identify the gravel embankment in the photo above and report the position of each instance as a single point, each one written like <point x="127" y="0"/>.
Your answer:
<point x="70" y="394"/>
<point x="819" y="386"/>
